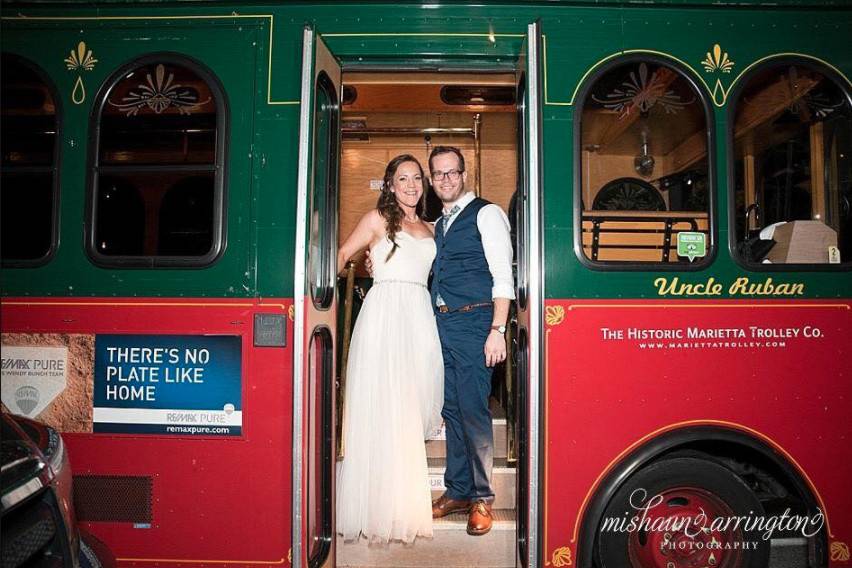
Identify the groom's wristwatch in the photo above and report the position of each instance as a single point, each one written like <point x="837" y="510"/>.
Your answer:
<point x="501" y="329"/>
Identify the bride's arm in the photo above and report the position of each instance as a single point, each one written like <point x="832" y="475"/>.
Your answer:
<point x="368" y="229"/>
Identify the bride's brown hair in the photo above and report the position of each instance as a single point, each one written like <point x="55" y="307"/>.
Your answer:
<point x="387" y="205"/>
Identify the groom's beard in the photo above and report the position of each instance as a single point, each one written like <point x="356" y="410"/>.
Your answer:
<point x="457" y="196"/>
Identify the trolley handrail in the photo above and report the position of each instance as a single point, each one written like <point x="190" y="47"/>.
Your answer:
<point x="344" y="357"/>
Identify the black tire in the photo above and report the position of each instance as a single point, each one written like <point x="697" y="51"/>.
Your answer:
<point x="612" y="547"/>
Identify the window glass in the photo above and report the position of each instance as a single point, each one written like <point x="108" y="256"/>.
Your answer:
<point x="184" y="213"/>
<point x="793" y="168"/>
<point x="323" y="236"/>
<point x="320" y="444"/>
<point x="121" y="216"/>
<point x="158" y="175"/>
<point x="28" y="169"/>
<point x="159" y="113"/>
<point x="644" y="167"/>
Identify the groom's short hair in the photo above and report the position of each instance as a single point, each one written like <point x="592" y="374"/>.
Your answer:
<point x="438" y="150"/>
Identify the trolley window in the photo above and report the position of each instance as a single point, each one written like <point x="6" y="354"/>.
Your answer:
<point x="792" y="177"/>
<point x="158" y="166"/>
<point x="643" y="167"/>
<point x="323" y="236"/>
<point x="29" y="167"/>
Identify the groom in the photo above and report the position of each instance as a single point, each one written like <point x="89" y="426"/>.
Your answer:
<point x="472" y="287"/>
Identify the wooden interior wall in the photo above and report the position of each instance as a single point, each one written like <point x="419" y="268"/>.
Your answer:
<point x="365" y="161"/>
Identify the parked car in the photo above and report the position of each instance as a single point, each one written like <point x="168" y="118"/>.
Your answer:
<point x="38" y="523"/>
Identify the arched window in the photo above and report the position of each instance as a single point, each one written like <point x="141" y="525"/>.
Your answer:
<point x="791" y="135"/>
<point x="643" y="167"/>
<point x="158" y="166"/>
<point x="29" y="168"/>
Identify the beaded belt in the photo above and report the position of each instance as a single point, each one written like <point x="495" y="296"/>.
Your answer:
<point x="377" y="282"/>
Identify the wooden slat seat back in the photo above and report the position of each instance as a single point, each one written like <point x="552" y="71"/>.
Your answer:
<point x="637" y="236"/>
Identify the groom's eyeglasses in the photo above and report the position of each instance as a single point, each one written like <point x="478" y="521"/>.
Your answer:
<point x="452" y="175"/>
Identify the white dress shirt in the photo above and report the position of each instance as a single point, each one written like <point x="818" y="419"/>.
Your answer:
<point x="494" y="229"/>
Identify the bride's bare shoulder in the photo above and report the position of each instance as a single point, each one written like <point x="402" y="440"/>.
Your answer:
<point x="377" y="225"/>
<point x="374" y="218"/>
<point x="372" y="222"/>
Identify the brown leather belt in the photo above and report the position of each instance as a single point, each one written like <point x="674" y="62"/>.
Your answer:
<point x="446" y="309"/>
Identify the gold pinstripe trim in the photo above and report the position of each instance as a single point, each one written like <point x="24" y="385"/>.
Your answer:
<point x="572" y="307"/>
<point x="192" y="561"/>
<point x="717" y="87"/>
<point x="269" y="17"/>
<point x="282" y="307"/>
<point x="425" y="34"/>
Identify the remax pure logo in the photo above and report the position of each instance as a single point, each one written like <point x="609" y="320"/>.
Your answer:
<point x="26" y="399"/>
<point x="32" y="377"/>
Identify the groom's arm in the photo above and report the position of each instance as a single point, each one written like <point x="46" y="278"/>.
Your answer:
<point x="501" y="311"/>
<point x="493" y="227"/>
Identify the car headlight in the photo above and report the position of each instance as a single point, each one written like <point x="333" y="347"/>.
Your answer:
<point x="55" y="451"/>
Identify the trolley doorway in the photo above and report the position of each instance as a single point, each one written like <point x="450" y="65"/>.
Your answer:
<point x="352" y="123"/>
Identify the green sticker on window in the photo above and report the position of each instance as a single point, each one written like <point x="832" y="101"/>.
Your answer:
<point x="692" y="245"/>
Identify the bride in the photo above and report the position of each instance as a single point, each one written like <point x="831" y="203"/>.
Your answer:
<point x="395" y="373"/>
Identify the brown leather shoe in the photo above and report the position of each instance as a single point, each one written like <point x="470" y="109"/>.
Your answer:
<point x="443" y="506"/>
<point x="479" y="519"/>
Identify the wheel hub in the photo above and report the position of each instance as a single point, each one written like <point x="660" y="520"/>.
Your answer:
<point x="679" y="533"/>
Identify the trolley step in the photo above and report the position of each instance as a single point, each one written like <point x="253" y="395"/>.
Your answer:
<point x="450" y="547"/>
<point x="437" y="447"/>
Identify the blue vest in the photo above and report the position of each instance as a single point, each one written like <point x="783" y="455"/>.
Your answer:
<point x="460" y="272"/>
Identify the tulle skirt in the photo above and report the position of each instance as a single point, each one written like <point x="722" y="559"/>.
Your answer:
<point x="394" y="394"/>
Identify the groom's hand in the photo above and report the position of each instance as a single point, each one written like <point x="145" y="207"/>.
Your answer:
<point x="495" y="348"/>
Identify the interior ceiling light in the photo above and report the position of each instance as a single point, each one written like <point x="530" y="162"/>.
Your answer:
<point x="350" y="95"/>
<point x="644" y="162"/>
<point x="478" y="95"/>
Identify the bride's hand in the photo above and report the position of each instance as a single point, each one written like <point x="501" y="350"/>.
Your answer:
<point x="368" y="262"/>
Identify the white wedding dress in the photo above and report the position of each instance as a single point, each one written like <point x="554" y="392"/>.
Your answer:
<point x="394" y="394"/>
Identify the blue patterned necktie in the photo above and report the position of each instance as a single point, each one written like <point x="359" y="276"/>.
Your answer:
<point x="448" y="217"/>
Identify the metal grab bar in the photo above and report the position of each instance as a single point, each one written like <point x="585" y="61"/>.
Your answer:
<point x="344" y="356"/>
<point x="408" y="130"/>
<point x="756" y="208"/>
<point x="511" y="447"/>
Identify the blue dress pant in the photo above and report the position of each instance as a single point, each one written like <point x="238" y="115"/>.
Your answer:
<point x="467" y="386"/>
